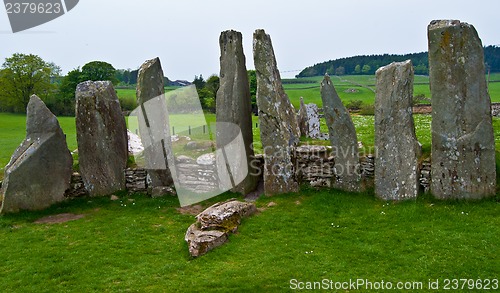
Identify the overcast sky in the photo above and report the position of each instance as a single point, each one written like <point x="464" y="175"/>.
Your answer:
<point x="184" y="34"/>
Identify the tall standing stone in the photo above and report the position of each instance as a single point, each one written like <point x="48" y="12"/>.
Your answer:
<point x="342" y="138"/>
<point x="396" y="163"/>
<point x="234" y="103"/>
<point x="279" y="130"/>
<point x="154" y="123"/>
<point x="302" y="118"/>
<point x="40" y="169"/>
<point x="102" y="138"/>
<point x="463" y="145"/>
<point x="313" y="120"/>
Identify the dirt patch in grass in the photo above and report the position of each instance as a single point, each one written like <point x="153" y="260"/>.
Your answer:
<point x="60" y="218"/>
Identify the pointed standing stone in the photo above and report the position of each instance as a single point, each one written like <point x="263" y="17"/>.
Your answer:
<point x="396" y="163"/>
<point x="463" y="145"/>
<point x="279" y="130"/>
<point x="40" y="169"/>
<point x="342" y="138"/>
<point x="302" y="118"/>
<point x="153" y="123"/>
<point x="234" y="103"/>
<point x="102" y="138"/>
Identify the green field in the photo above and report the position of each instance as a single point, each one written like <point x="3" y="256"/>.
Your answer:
<point x="362" y="87"/>
<point x="349" y="88"/>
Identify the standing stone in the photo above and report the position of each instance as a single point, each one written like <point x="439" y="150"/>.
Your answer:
<point x="155" y="133"/>
<point x="279" y="130"/>
<point x="234" y="103"/>
<point x="313" y="120"/>
<point x="463" y="145"/>
<point x="302" y="119"/>
<point x="342" y="138"/>
<point x="396" y="163"/>
<point x="102" y="138"/>
<point x="40" y="169"/>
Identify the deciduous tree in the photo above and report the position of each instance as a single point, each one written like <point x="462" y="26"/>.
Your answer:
<point x="22" y="76"/>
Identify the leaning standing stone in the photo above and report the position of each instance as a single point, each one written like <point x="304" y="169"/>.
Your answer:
<point x="234" y="104"/>
<point x="39" y="171"/>
<point x="279" y="130"/>
<point x="302" y="119"/>
<point x="396" y="163"/>
<point x="102" y="138"/>
<point x="342" y="138"/>
<point x="463" y="145"/>
<point x="154" y="123"/>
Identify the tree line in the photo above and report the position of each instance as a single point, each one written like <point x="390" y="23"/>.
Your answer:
<point x="368" y="64"/>
<point x="23" y="75"/>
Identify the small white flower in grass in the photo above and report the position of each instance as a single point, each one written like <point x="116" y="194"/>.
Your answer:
<point x="382" y="213"/>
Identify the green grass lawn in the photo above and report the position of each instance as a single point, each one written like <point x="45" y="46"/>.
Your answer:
<point x="137" y="244"/>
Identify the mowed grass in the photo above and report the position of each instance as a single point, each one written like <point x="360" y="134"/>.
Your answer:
<point x="137" y="244"/>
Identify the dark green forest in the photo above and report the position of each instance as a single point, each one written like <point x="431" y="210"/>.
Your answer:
<point x="368" y="64"/>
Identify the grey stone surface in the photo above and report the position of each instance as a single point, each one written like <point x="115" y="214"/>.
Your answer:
<point x="160" y="191"/>
<point x="136" y="180"/>
<point x="279" y="130"/>
<point x="463" y="146"/>
<point x="215" y="223"/>
<point x="155" y="133"/>
<point x="200" y="241"/>
<point x="343" y="139"/>
<point x="315" y="165"/>
<point x="234" y="102"/>
<point x="77" y="187"/>
<point x="302" y="118"/>
<point x="102" y="138"/>
<point x="313" y="120"/>
<point x="225" y="216"/>
<point x="39" y="171"/>
<point x="396" y="164"/>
